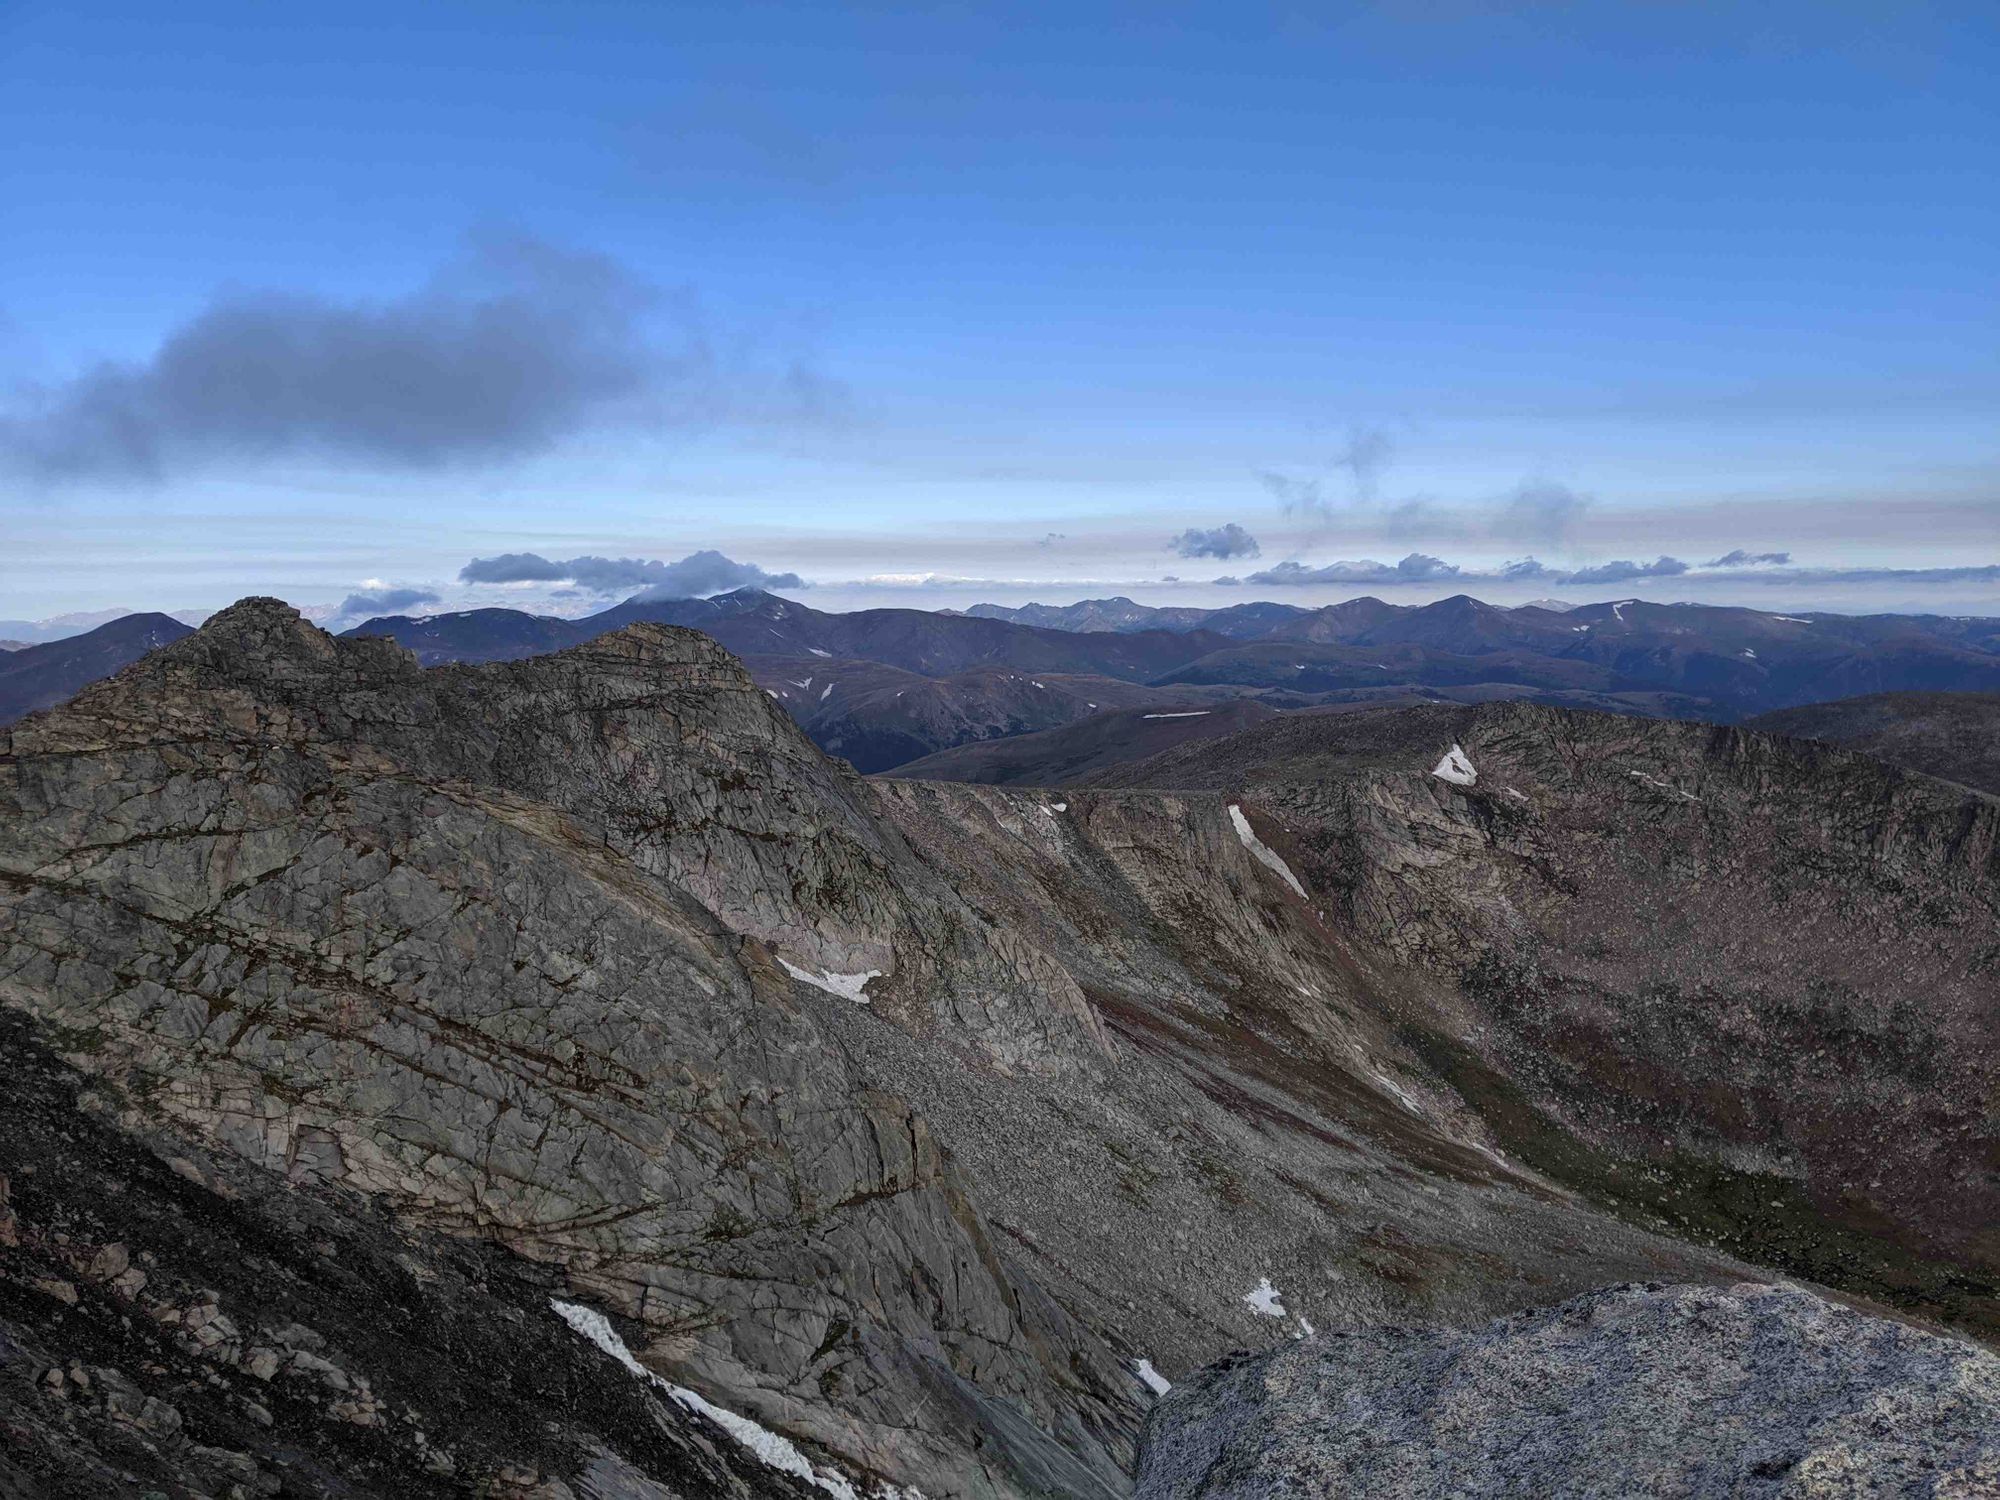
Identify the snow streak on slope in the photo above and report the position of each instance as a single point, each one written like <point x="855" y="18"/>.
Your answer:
<point x="1266" y="855"/>
<point x="779" y="1452"/>
<point x="848" y="986"/>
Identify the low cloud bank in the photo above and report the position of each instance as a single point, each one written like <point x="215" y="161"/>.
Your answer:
<point x="696" y="575"/>
<point x="1737" y="566"/>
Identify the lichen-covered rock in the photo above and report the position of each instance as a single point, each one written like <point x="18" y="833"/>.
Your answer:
<point x="1751" y="1391"/>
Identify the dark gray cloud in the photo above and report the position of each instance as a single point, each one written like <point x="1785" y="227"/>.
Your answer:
<point x="697" y="574"/>
<point x="513" y="348"/>
<point x="369" y="602"/>
<point x="1741" y="559"/>
<point x="1539" y="512"/>
<point x="1225" y="541"/>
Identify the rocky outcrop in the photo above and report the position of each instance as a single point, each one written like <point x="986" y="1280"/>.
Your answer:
<point x="907" y="1118"/>
<point x="498" y="946"/>
<point x="1634" y="1390"/>
<point x="174" y="1321"/>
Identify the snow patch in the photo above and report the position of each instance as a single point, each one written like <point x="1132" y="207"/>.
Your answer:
<point x="826" y="692"/>
<point x="1196" y="713"/>
<point x="1039" y="685"/>
<point x="770" y="1448"/>
<point x="1264" y="853"/>
<point x="1058" y="807"/>
<point x="1749" y="653"/>
<point x="1306" y="1330"/>
<point x="1518" y="796"/>
<point x="817" y="652"/>
<point x="800" y="681"/>
<point x="1262" y="1299"/>
<point x="1155" y="1382"/>
<point x="1455" y="768"/>
<point x="847" y="986"/>
<point x="769" y="694"/>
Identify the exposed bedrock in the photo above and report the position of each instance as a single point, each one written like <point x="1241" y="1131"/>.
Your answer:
<point x="562" y="955"/>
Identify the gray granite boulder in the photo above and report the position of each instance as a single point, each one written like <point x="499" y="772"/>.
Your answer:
<point x="1755" y="1390"/>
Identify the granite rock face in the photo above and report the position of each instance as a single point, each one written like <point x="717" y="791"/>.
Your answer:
<point x="1753" y="1390"/>
<point x="562" y="957"/>
<point x="177" y="1322"/>
<point x="1746" y="984"/>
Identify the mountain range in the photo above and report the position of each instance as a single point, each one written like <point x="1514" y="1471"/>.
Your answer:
<point x="409" y="1056"/>
<point x="1679" y="661"/>
<point x="886" y="687"/>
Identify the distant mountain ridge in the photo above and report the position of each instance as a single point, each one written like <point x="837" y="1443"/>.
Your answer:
<point x="751" y="623"/>
<point x="977" y="676"/>
<point x="1117" y="614"/>
<point x="41" y="676"/>
<point x="1628" y="656"/>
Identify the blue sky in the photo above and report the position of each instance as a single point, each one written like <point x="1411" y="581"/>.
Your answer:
<point x="940" y="302"/>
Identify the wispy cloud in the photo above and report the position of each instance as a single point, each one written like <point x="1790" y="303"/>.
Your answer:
<point x="697" y="574"/>
<point x="511" y="349"/>
<point x="1362" y="458"/>
<point x="1540" y="512"/>
<point x="1225" y="541"/>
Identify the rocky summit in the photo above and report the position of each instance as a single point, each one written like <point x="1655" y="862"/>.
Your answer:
<point x="563" y="1061"/>
<point x="1745" y="1391"/>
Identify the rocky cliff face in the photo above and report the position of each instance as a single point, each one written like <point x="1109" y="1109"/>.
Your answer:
<point x="1737" y="984"/>
<point x="908" y="1118"/>
<point x="1634" y="1390"/>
